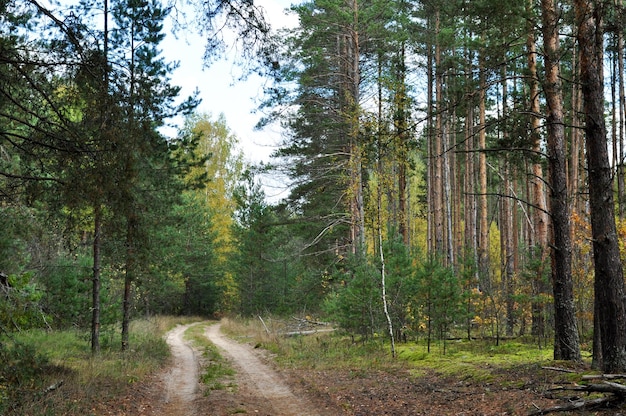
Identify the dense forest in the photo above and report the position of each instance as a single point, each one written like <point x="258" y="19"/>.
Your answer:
<point x="455" y="168"/>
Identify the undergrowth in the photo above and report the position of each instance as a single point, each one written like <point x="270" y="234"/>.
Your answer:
<point x="477" y="361"/>
<point x="55" y="373"/>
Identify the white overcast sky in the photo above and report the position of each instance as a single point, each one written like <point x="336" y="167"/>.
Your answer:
<point x="220" y="91"/>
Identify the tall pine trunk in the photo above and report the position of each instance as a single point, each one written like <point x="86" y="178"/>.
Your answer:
<point x="483" y="218"/>
<point x="609" y="278"/>
<point x="566" y="339"/>
<point x="539" y="232"/>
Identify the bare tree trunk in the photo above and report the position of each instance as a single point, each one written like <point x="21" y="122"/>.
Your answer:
<point x="350" y="69"/>
<point x="470" y="232"/>
<point x="566" y="340"/>
<point x="437" y="182"/>
<point x="430" y="144"/>
<point x="609" y="277"/>
<point x="97" y="208"/>
<point x="539" y="233"/>
<point x="95" y="303"/>
<point x="483" y="226"/>
<point x="621" y="185"/>
<point x="402" y="132"/>
<point x="382" y="257"/>
<point x="128" y="279"/>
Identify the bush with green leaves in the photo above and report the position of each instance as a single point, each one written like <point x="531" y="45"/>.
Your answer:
<point x="19" y="307"/>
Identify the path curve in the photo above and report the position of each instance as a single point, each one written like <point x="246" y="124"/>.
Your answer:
<point x="260" y="377"/>
<point x="181" y="381"/>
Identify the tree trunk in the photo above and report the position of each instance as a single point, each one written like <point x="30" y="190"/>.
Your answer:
<point x="609" y="278"/>
<point x="621" y="185"/>
<point x="97" y="259"/>
<point x="566" y="339"/>
<point x="437" y="183"/>
<point x="483" y="226"/>
<point x="539" y="232"/>
<point x="349" y="63"/>
<point x="402" y="132"/>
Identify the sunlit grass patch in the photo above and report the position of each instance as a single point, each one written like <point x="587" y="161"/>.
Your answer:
<point x="476" y="360"/>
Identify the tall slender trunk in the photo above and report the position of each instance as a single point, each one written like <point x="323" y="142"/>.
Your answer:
<point x="471" y="238"/>
<point x="539" y="232"/>
<point x="97" y="260"/>
<point x="381" y="252"/>
<point x="609" y="277"/>
<point x="402" y="133"/>
<point x="97" y="214"/>
<point x="437" y="182"/>
<point x="566" y="340"/>
<point x="621" y="185"/>
<point x="483" y="225"/>
<point x="430" y="136"/>
<point x="506" y="222"/>
<point x="349" y="55"/>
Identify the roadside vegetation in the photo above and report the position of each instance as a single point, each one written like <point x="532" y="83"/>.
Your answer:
<point x="479" y="360"/>
<point x="54" y="372"/>
<point x="215" y="372"/>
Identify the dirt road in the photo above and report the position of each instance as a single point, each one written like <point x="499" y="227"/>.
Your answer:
<point x="181" y="381"/>
<point x="259" y="388"/>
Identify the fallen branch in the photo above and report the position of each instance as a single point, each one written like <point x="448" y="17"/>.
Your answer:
<point x="309" y="332"/>
<point x="264" y="326"/>
<point x="562" y="370"/>
<point x="579" y="405"/>
<point x="53" y="387"/>
<point x="603" y="376"/>
<point x="309" y="321"/>
<point x="604" y="387"/>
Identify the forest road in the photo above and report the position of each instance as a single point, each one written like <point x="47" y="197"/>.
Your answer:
<point x="259" y="386"/>
<point x="181" y="380"/>
<point x="258" y="378"/>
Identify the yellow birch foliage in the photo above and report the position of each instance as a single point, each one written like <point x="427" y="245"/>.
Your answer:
<point x="223" y="168"/>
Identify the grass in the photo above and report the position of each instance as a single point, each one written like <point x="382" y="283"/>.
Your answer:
<point x="65" y="357"/>
<point x="479" y="361"/>
<point x="216" y="374"/>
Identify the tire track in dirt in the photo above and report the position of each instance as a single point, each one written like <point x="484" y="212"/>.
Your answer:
<point x="181" y="381"/>
<point x="260" y="378"/>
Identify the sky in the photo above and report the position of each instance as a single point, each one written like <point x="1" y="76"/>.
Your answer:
<point x="219" y="88"/>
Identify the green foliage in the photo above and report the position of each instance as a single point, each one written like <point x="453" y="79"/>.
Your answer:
<point x="254" y="239"/>
<point x="67" y="295"/>
<point x="20" y="308"/>
<point x="439" y="297"/>
<point x="356" y="303"/>
<point x="20" y="375"/>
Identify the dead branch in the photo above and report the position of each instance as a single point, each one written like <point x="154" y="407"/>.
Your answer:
<point x="309" y="321"/>
<point x="604" y="387"/>
<point x="579" y="405"/>
<point x="562" y="370"/>
<point x="603" y="376"/>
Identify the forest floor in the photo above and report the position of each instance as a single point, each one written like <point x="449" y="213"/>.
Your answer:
<point x="258" y="387"/>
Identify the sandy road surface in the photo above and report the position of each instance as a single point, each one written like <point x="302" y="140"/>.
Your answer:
<point x="259" y="386"/>
<point x="260" y="378"/>
<point x="181" y="381"/>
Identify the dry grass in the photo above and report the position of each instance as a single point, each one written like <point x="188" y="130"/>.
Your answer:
<point x="85" y="380"/>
